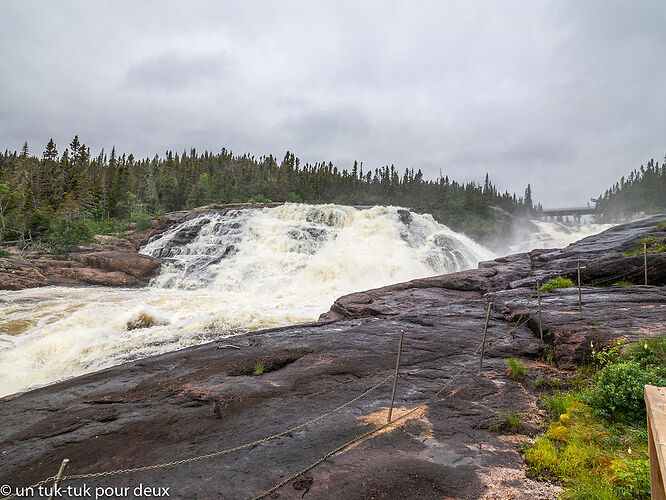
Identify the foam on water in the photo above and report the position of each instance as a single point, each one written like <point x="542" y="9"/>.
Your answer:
<point x="244" y="270"/>
<point x="557" y="235"/>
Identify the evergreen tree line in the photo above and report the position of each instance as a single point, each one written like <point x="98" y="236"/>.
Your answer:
<point x="644" y="190"/>
<point x="38" y="193"/>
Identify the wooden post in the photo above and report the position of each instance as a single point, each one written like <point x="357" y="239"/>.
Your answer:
<point x="539" y="300"/>
<point x="645" y="260"/>
<point x="655" y="401"/>
<point x="61" y="471"/>
<point x="580" y="302"/>
<point x="483" y="342"/>
<point x="395" y="380"/>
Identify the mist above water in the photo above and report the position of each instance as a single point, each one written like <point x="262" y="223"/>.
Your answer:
<point x="551" y="235"/>
<point x="244" y="270"/>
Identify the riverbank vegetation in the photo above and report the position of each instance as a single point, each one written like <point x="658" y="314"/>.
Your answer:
<point x="62" y="198"/>
<point x="651" y="244"/>
<point x="644" y="190"/>
<point x="596" y="443"/>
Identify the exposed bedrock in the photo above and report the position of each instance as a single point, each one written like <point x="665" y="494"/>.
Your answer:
<point x="99" y="264"/>
<point x="204" y="399"/>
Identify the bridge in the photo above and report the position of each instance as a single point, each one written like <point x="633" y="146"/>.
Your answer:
<point x="560" y="214"/>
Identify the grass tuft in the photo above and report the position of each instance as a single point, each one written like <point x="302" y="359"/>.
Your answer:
<point x="589" y="487"/>
<point x="515" y="369"/>
<point x="507" y="420"/>
<point x="547" y="383"/>
<point x="4" y="254"/>
<point x="259" y="369"/>
<point x="623" y="283"/>
<point x="558" y="282"/>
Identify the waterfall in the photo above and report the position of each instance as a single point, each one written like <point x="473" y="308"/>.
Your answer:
<point x="224" y="273"/>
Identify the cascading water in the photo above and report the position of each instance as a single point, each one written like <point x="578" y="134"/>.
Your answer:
<point x="556" y="235"/>
<point x="224" y="273"/>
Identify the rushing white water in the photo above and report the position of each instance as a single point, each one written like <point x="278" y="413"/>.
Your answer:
<point x="244" y="270"/>
<point x="555" y="235"/>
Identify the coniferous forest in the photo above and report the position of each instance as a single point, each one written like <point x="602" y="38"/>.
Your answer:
<point x="644" y="190"/>
<point x="60" y="198"/>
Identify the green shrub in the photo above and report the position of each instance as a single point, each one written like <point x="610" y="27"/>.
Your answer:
<point x="38" y="223"/>
<point x="618" y="391"/>
<point x="649" y="351"/>
<point x="609" y="354"/>
<point x="515" y="368"/>
<point x="4" y="254"/>
<point x="632" y="478"/>
<point x="142" y="220"/>
<point x="66" y="234"/>
<point x="558" y="282"/>
<point x="107" y="226"/>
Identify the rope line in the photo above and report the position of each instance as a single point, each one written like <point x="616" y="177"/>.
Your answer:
<point x="214" y="454"/>
<point x="235" y="448"/>
<point x="370" y="433"/>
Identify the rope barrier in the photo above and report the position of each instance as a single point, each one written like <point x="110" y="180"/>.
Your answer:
<point x="370" y="433"/>
<point x="214" y="454"/>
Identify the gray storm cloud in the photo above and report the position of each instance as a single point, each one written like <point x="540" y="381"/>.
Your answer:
<point x="565" y="95"/>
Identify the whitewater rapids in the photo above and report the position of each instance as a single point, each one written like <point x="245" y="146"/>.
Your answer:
<point x="244" y="270"/>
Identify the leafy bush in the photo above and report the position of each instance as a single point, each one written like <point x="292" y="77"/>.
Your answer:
<point x="618" y="391"/>
<point x="66" y="234"/>
<point x="649" y="351"/>
<point x="558" y="282"/>
<point x="632" y="478"/>
<point x="515" y="368"/>
<point x="38" y="223"/>
<point x="107" y="226"/>
<point x="142" y="220"/>
<point x="4" y="254"/>
<point x="609" y="354"/>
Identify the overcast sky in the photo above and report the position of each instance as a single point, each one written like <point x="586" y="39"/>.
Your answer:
<point x="565" y="95"/>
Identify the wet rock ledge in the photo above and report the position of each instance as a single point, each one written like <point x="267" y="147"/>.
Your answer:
<point x="206" y="398"/>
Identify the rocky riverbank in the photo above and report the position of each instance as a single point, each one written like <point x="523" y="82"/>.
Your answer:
<point x="208" y="398"/>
